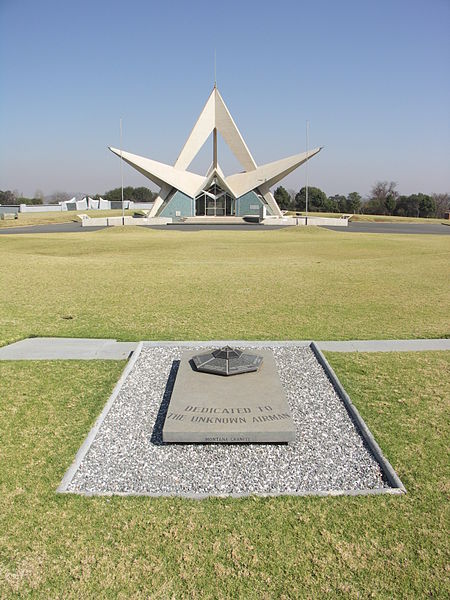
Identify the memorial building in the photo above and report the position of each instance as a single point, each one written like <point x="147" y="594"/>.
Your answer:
<point x="184" y="193"/>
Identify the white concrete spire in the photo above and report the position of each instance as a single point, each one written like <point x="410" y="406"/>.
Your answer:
<point x="215" y="115"/>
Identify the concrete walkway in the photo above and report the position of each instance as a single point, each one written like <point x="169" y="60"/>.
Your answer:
<point x="48" y="228"/>
<point x="385" y="345"/>
<point x="353" y="227"/>
<point x="67" y="349"/>
<point x="88" y="349"/>
<point x="76" y="228"/>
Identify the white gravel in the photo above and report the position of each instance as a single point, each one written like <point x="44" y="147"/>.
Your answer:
<point x="128" y="457"/>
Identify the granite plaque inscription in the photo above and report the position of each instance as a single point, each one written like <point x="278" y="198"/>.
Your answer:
<point x="250" y="408"/>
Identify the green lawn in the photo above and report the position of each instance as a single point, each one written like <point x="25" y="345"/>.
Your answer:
<point x="394" y="219"/>
<point x="374" y="218"/>
<point x="295" y="283"/>
<point x="130" y="283"/>
<point x="65" y="546"/>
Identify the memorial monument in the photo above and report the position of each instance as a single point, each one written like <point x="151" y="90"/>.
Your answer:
<point x="184" y="193"/>
<point x="228" y="396"/>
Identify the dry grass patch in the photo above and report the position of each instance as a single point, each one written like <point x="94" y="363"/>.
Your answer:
<point x="134" y="284"/>
<point x="373" y="218"/>
<point x="50" y="217"/>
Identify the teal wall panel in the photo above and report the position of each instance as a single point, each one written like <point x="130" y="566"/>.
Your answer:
<point x="179" y="203"/>
<point x="248" y="204"/>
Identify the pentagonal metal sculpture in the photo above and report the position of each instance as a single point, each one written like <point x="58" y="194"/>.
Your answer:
<point x="227" y="361"/>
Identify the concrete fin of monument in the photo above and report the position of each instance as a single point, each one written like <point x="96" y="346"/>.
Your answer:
<point x="185" y="195"/>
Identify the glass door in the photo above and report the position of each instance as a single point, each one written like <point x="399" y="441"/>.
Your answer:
<point x="230" y="206"/>
<point x="220" y="206"/>
<point x="215" y="202"/>
<point x="210" y="206"/>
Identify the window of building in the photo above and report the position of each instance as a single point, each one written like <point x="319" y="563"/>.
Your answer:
<point x="215" y="202"/>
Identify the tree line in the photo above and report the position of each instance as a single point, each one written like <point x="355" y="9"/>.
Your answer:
<point x="137" y="194"/>
<point x="12" y="198"/>
<point x="383" y="199"/>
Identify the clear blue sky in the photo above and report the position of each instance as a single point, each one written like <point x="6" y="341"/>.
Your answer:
<point x="371" y="77"/>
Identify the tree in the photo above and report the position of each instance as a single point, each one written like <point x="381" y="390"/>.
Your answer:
<point x="353" y="202"/>
<point x="143" y="194"/>
<point x="382" y="199"/>
<point x="7" y="197"/>
<point x="442" y="204"/>
<point x="427" y="206"/>
<point x="406" y="207"/>
<point x="140" y="194"/>
<point x="415" y="205"/>
<point x="317" y="200"/>
<point x="29" y="201"/>
<point x="390" y="203"/>
<point x="58" y="197"/>
<point x="116" y="194"/>
<point x="332" y="204"/>
<point x="282" y="198"/>
<point x="291" y="193"/>
<point x="338" y="202"/>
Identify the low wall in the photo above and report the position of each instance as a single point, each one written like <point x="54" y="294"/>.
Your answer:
<point x="97" y="222"/>
<point x="153" y="221"/>
<point x="29" y="208"/>
<point x="37" y="208"/>
<point x="318" y="221"/>
<point x="333" y="222"/>
<point x="9" y="208"/>
<point x="118" y="221"/>
<point x="79" y="205"/>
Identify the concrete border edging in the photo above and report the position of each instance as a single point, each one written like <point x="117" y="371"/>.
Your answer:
<point x="84" y="448"/>
<point x="213" y="343"/>
<point x="397" y="487"/>
<point x="198" y="496"/>
<point x="390" y="474"/>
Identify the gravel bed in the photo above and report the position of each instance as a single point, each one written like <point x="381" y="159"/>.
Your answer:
<point x="127" y="455"/>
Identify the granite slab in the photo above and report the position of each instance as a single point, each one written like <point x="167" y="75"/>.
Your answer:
<point x="245" y="408"/>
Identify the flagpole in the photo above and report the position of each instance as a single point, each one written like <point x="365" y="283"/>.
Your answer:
<point x="307" y="179"/>
<point x="121" y="172"/>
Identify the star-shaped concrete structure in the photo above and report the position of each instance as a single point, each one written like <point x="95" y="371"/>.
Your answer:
<point x="187" y="194"/>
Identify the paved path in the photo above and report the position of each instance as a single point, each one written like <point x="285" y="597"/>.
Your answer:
<point x="88" y="349"/>
<point x="410" y="228"/>
<point x="49" y="228"/>
<point x="76" y="228"/>
<point x="353" y="227"/>
<point x="218" y="227"/>
<point x="385" y="345"/>
<point x="67" y="349"/>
